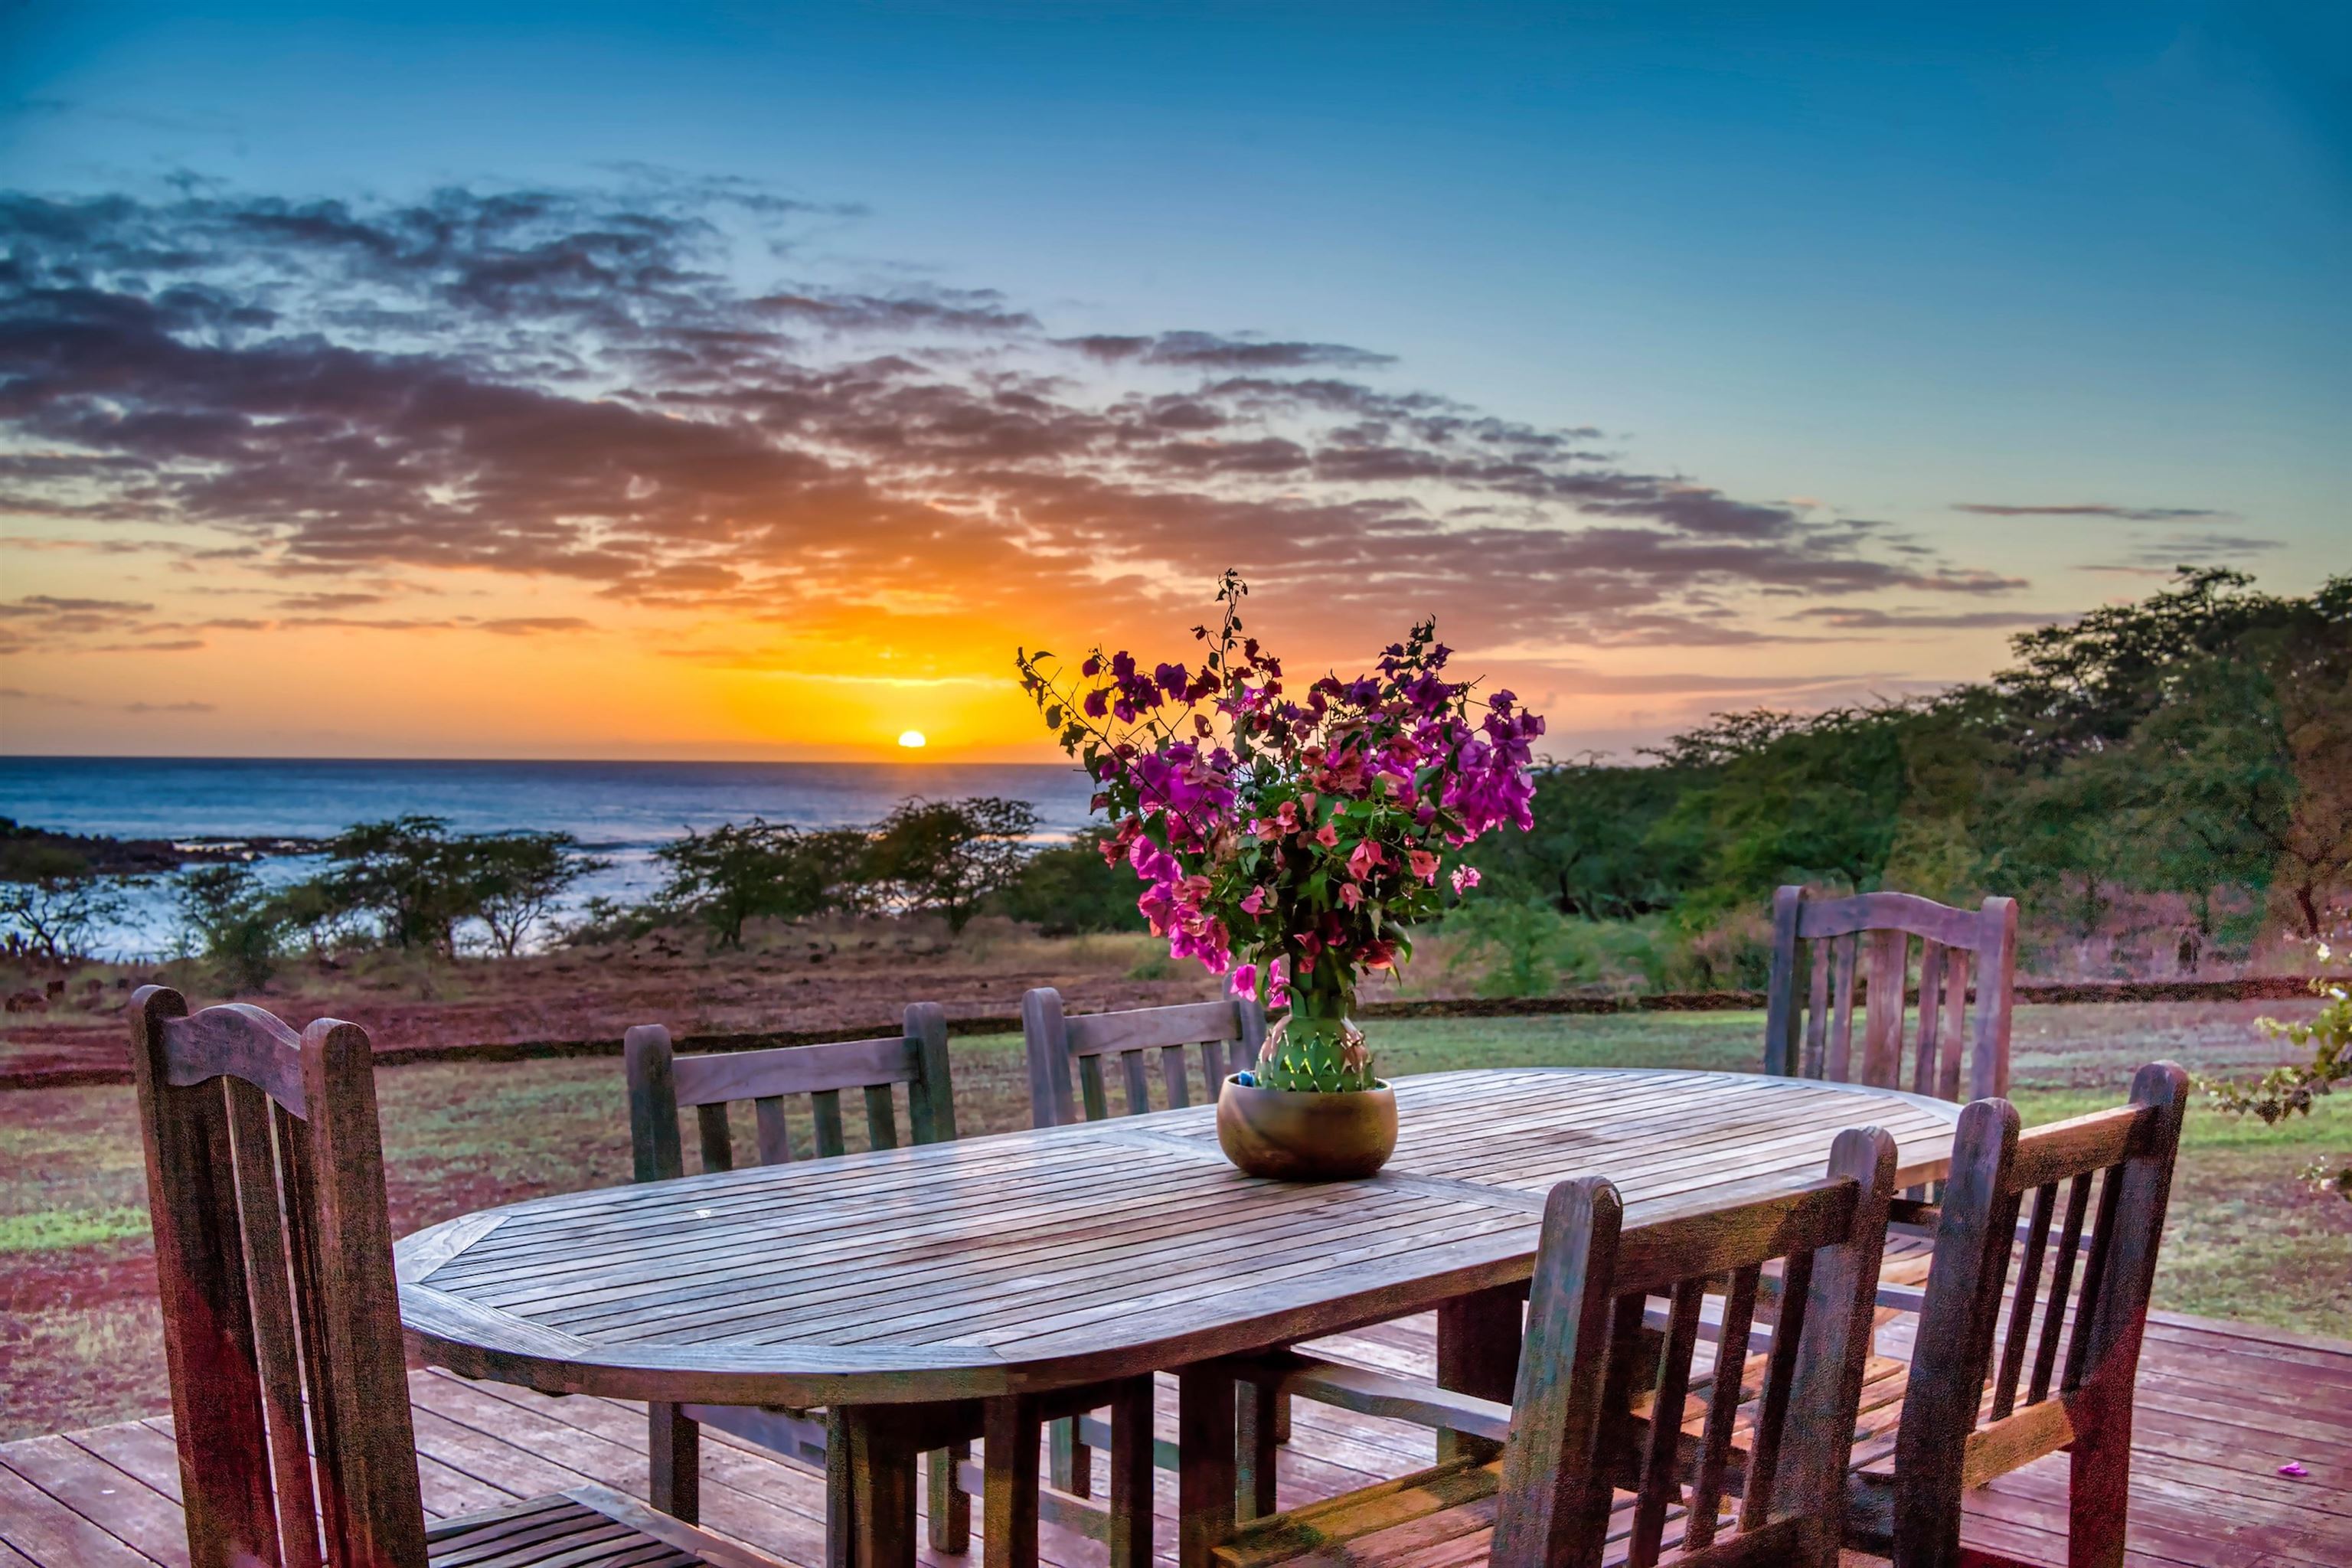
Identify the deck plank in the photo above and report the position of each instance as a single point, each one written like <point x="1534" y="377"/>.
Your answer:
<point x="2221" y="1406"/>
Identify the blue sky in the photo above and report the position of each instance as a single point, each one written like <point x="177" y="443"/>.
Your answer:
<point x="2008" y="256"/>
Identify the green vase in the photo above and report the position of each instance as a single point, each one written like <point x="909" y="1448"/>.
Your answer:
<point x="1318" y="1048"/>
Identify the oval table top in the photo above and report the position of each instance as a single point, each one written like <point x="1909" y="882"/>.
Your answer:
<point x="1027" y="1261"/>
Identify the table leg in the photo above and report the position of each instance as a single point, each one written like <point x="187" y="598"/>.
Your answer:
<point x="1478" y="1354"/>
<point x="1205" y="1475"/>
<point x="1008" y="1520"/>
<point x="882" y="1490"/>
<point x="1130" y="1474"/>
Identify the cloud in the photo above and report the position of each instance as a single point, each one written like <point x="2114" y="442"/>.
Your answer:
<point x="169" y="708"/>
<point x="591" y="386"/>
<point x="2123" y="514"/>
<point x="1859" y="618"/>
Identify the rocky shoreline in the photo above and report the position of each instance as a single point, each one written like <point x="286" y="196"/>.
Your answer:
<point x="106" y="856"/>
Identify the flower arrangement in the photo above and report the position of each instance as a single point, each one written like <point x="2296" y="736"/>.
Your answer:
<point x="1292" y="841"/>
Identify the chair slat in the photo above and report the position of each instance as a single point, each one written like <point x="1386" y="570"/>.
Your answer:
<point x="1772" y="1404"/>
<point x="881" y="1118"/>
<point x="2023" y="1302"/>
<point x="1882" y="1047"/>
<point x="1661" y="1486"/>
<point x="297" y="1167"/>
<point x="832" y="1142"/>
<point x="1171" y="1076"/>
<point x="1092" y="1096"/>
<point x="1215" y="1067"/>
<point x="1838" y="1064"/>
<point x="718" y="1139"/>
<point x="1817" y="1010"/>
<point x="2062" y="1276"/>
<point x="1722" y="1407"/>
<point x="269" y="1284"/>
<point x="1955" y="1022"/>
<point x="775" y="1137"/>
<point x="2094" y="1273"/>
<point x="1931" y="1015"/>
<point x="1138" y="1080"/>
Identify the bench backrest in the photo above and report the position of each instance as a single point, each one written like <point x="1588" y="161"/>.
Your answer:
<point x="663" y="1083"/>
<point x="1066" y="1054"/>
<point x="1575" y="1442"/>
<point x="1819" y="955"/>
<point x="273" y="1251"/>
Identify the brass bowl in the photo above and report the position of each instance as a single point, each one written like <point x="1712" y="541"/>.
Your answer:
<point x="1300" y="1135"/>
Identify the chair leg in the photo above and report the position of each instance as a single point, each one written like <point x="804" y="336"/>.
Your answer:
<point x="2098" y="1492"/>
<point x="1072" y="1468"/>
<point x="1282" y="1418"/>
<point x="951" y="1505"/>
<point x="673" y="1452"/>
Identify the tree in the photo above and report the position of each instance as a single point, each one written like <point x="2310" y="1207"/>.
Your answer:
<point x="52" y="901"/>
<point x="736" y="873"/>
<point x="518" y="878"/>
<point x="950" y="856"/>
<point x="410" y="874"/>
<point x="1067" y="889"/>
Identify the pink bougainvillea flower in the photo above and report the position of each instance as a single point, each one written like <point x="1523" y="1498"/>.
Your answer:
<point x="1328" y="836"/>
<point x="2291" y="1468"/>
<point x="1379" y="955"/>
<point x="1245" y="979"/>
<point x="1464" y="878"/>
<point x="1350" y="894"/>
<point x="1255" y="903"/>
<point x="1423" y="864"/>
<point x="1364" y="861"/>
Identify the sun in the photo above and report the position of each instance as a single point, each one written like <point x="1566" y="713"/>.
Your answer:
<point x="912" y="740"/>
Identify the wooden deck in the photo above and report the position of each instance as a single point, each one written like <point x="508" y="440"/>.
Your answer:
<point x="2221" y="1406"/>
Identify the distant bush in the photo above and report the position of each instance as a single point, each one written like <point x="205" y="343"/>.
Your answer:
<point x="761" y="869"/>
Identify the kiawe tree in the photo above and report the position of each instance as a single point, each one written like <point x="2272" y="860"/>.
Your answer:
<point x="950" y="856"/>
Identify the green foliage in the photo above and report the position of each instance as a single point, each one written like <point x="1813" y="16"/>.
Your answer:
<point x="2289" y="1090"/>
<point x="1069" y="889"/>
<point x="229" y="919"/>
<point x="2198" y="742"/>
<point x="950" y="856"/>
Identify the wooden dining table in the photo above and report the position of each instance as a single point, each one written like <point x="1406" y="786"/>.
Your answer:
<point x="907" y="1288"/>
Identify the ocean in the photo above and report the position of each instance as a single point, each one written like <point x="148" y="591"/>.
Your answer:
<point x="618" y="811"/>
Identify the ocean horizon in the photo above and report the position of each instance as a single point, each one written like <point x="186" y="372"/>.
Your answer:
<point x="619" y="811"/>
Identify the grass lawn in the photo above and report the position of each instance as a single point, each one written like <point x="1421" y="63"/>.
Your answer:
<point x="78" y="1343"/>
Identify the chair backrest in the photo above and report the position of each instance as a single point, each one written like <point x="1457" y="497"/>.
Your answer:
<point x="273" y="1249"/>
<point x="1823" y="998"/>
<point x="2069" y="1348"/>
<point x="662" y="1083"/>
<point x="1227" y="1034"/>
<point x="1574" y="1440"/>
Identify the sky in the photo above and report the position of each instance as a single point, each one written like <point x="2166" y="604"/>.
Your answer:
<point x="750" y="381"/>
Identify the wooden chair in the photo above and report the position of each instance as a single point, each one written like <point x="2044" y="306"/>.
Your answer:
<point x="1808" y="1023"/>
<point x="1067" y="1085"/>
<point x="2069" y="1346"/>
<point x="662" y="1084"/>
<point x="1603" y="1443"/>
<point x="1227" y="1034"/>
<point x="281" y="1319"/>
